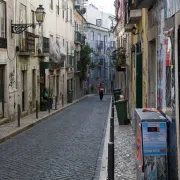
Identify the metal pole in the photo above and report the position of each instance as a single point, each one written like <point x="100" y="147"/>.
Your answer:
<point x="36" y="109"/>
<point x="112" y="112"/>
<point x="56" y="103"/>
<point x="49" y="105"/>
<point x="62" y="100"/>
<point x="111" y="129"/>
<point x="19" y="114"/>
<point x="110" y="161"/>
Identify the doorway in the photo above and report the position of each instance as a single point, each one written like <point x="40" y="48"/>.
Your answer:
<point x="152" y="73"/>
<point x="139" y="67"/>
<point x="1" y="92"/>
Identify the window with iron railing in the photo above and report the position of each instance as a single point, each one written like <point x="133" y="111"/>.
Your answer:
<point x="28" y="43"/>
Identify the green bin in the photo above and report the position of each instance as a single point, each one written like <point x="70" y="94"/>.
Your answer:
<point x="121" y="108"/>
<point x="70" y="96"/>
<point x="117" y="95"/>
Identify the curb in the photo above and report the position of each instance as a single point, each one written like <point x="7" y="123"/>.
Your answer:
<point x="38" y="121"/>
<point x="104" y="158"/>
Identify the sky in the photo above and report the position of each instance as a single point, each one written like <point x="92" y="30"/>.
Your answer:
<point x="105" y="5"/>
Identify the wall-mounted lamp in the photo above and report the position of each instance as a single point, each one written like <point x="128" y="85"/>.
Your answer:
<point x="19" y="28"/>
<point x="134" y="30"/>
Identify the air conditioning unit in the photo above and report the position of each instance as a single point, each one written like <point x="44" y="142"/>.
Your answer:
<point x="65" y="5"/>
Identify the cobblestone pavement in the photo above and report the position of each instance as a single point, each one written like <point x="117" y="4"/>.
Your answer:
<point x="124" y="140"/>
<point x="66" y="146"/>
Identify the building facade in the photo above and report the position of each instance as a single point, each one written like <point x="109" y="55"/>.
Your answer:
<point x="79" y="41"/>
<point x="101" y="39"/>
<point x="152" y="49"/>
<point x="8" y="86"/>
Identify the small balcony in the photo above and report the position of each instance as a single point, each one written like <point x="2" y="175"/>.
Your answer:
<point x="99" y="45"/>
<point x="128" y="27"/>
<point x="143" y="3"/>
<point x="3" y="42"/>
<point x="27" y="44"/>
<point x="77" y="37"/>
<point x="44" y="51"/>
<point x="135" y="16"/>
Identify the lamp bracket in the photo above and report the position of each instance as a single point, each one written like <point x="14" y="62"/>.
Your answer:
<point x="19" y="28"/>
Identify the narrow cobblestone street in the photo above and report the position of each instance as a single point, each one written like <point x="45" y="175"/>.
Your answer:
<point x="66" y="146"/>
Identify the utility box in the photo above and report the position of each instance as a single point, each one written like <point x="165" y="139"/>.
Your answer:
<point x="151" y="145"/>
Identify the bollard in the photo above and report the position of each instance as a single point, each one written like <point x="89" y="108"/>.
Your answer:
<point x="112" y="112"/>
<point x="49" y="105"/>
<point x="111" y="129"/>
<point x="19" y="115"/>
<point x="62" y="100"/>
<point x="36" y="109"/>
<point x="56" y="103"/>
<point x="110" y="161"/>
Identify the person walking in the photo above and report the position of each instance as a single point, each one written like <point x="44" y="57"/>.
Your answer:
<point x="101" y="91"/>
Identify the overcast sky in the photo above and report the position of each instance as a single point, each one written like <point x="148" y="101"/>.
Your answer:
<point x="105" y="5"/>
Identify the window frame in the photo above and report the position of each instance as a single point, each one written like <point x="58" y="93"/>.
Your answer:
<point x="5" y="20"/>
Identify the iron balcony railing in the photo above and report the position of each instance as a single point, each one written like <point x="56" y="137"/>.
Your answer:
<point x="3" y="42"/>
<point x="27" y="44"/>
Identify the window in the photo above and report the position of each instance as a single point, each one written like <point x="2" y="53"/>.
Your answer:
<point x="51" y="4"/>
<point x="33" y="20"/>
<point x="98" y="22"/>
<point x="2" y="19"/>
<point x="92" y="36"/>
<point x="57" y="8"/>
<point x="71" y="16"/>
<point x="67" y="15"/>
<point x="99" y="37"/>
<point x="63" y="13"/>
<point x="67" y="52"/>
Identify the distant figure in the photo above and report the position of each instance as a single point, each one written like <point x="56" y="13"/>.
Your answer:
<point x="101" y="91"/>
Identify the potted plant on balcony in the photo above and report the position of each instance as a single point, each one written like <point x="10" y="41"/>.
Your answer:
<point x="120" y="59"/>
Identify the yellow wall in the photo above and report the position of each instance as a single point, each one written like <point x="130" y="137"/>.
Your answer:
<point x="142" y="28"/>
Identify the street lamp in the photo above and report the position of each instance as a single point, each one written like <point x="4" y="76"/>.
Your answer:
<point x="19" y="28"/>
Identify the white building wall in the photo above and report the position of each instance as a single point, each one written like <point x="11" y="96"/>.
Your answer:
<point x="8" y="59"/>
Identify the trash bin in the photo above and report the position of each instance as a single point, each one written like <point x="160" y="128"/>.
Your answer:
<point x="121" y="108"/>
<point x="70" y="96"/>
<point x="117" y="93"/>
<point x="116" y="90"/>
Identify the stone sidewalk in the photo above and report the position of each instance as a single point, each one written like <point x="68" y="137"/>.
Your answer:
<point x="125" y="157"/>
<point x="11" y="129"/>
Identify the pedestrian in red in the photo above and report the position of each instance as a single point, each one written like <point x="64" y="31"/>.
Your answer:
<point x="101" y="91"/>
